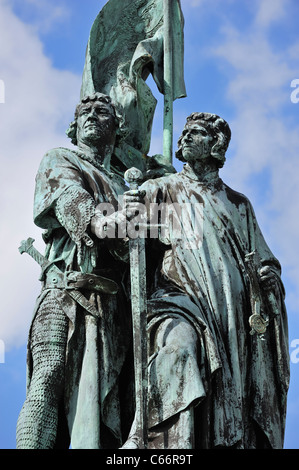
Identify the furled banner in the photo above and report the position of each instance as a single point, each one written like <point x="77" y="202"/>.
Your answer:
<point x="126" y="44"/>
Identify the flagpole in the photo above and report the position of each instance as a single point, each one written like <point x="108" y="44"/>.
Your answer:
<point x="168" y="82"/>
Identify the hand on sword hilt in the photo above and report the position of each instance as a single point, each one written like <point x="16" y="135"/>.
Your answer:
<point x="134" y="197"/>
<point x="134" y="177"/>
<point x="139" y="315"/>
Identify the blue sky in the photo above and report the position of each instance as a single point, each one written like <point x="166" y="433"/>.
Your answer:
<point x="240" y="60"/>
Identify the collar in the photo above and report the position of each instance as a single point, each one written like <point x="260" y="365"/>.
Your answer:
<point x="93" y="161"/>
<point x="209" y="180"/>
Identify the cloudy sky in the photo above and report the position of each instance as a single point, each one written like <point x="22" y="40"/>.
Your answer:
<point x="241" y="60"/>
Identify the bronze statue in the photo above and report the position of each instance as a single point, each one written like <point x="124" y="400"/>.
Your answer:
<point x="218" y="344"/>
<point x="80" y="332"/>
<point x="205" y="288"/>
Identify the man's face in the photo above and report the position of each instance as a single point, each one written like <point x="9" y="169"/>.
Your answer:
<point x="96" y="124"/>
<point x="196" y="142"/>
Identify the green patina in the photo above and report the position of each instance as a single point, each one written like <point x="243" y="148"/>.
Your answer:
<point x="178" y="340"/>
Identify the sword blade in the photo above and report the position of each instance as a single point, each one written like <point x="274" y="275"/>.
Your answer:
<point x="139" y="317"/>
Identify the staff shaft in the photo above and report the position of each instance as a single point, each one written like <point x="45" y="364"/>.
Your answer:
<point x="168" y="82"/>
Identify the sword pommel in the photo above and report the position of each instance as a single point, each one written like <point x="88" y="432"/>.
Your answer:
<point x="134" y="177"/>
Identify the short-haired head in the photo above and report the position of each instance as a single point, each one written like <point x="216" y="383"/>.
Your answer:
<point x="219" y="131"/>
<point x="88" y="101"/>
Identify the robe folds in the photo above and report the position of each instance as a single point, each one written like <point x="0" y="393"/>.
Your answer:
<point x="96" y="349"/>
<point x="236" y="381"/>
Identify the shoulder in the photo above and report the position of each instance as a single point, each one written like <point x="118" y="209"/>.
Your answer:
<point x="59" y="157"/>
<point x="60" y="152"/>
<point x="160" y="183"/>
<point x="235" y="197"/>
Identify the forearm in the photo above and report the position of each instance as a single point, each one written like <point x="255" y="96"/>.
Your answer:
<point x="74" y="210"/>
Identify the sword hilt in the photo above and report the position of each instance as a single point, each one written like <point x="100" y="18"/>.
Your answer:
<point x="139" y="319"/>
<point x="28" y="247"/>
<point x="256" y="321"/>
<point x="134" y="177"/>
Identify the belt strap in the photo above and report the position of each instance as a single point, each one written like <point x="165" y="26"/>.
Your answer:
<point x="71" y="281"/>
<point x="56" y="279"/>
<point x="81" y="300"/>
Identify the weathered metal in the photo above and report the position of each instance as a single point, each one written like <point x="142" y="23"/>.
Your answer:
<point x="81" y="322"/>
<point x="138" y="292"/>
<point x="168" y="82"/>
<point x="201" y="298"/>
<point x="209" y="290"/>
<point x="129" y="40"/>
<point x="257" y="321"/>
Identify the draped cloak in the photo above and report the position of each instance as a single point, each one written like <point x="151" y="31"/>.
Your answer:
<point x="237" y="377"/>
<point x="96" y="349"/>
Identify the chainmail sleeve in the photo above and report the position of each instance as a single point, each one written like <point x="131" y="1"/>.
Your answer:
<point x="74" y="210"/>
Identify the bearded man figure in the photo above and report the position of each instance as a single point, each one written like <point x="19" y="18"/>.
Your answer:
<point x="214" y="381"/>
<point x="80" y="331"/>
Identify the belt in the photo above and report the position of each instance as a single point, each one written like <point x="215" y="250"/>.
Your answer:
<point x="70" y="280"/>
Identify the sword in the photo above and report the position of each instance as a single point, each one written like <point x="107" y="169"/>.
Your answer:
<point x="28" y="247"/>
<point x="139" y="320"/>
<point x="256" y="321"/>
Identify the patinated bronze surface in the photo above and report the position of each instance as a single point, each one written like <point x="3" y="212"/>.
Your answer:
<point x="80" y="332"/>
<point x="218" y="369"/>
<point x="161" y="321"/>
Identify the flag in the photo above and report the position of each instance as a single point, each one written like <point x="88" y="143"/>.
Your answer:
<point x="124" y="47"/>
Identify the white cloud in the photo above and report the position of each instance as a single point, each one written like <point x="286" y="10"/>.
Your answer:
<point x="39" y="104"/>
<point x="270" y="11"/>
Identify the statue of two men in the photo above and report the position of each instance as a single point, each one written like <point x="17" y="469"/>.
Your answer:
<point x="212" y="383"/>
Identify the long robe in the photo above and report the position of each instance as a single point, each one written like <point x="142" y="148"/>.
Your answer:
<point x="237" y="380"/>
<point x="96" y="349"/>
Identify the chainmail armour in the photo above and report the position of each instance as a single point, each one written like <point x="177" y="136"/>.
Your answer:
<point x="74" y="210"/>
<point x="38" y="420"/>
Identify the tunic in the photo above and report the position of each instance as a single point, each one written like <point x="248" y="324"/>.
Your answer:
<point x="96" y="349"/>
<point x="237" y="378"/>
